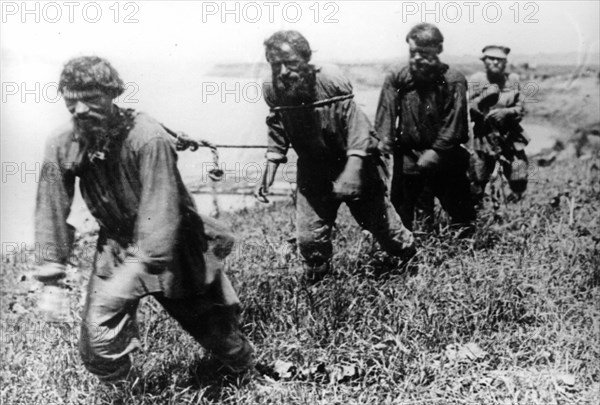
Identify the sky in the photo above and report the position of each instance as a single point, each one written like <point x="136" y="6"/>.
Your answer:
<point x="233" y="31"/>
<point x="164" y="50"/>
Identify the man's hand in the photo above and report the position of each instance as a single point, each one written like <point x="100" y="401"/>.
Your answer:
<point x="268" y="178"/>
<point x="261" y="194"/>
<point x="348" y="185"/>
<point x="497" y="116"/>
<point x="429" y="160"/>
<point x="386" y="147"/>
<point x="50" y="273"/>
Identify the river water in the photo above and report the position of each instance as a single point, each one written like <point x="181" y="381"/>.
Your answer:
<point x="221" y="120"/>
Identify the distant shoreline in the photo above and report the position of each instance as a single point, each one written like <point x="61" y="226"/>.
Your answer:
<point x="371" y="74"/>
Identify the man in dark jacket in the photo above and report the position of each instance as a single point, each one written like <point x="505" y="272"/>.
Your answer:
<point x="422" y="120"/>
<point x="312" y="110"/>
<point x="152" y="241"/>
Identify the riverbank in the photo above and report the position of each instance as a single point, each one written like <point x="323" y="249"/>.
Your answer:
<point x="510" y="316"/>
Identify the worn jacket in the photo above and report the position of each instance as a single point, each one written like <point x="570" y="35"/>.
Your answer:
<point x="415" y="117"/>
<point x="510" y="100"/>
<point x="324" y="133"/>
<point x="138" y="198"/>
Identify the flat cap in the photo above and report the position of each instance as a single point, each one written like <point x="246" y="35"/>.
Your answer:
<point x="495" y="51"/>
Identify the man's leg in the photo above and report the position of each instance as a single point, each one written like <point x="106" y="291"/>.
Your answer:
<point x="480" y="170"/>
<point x="109" y="331"/>
<point x="376" y="214"/>
<point x="451" y="186"/>
<point x="408" y="190"/>
<point x="212" y="318"/>
<point x="425" y="208"/>
<point x="315" y="216"/>
<point x="412" y="186"/>
<point x="396" y="196"/>
<point x="515" y="171"/>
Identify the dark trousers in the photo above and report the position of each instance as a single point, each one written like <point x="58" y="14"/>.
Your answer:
<point x="317" y="208"/>
<point x="448" y="182"/>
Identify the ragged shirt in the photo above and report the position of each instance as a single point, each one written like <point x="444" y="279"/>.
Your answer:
<point x="139" y="200"/>
<point x="415" y="117"/>
<point x="510" y="99"/>
<point x="324" y="133"/>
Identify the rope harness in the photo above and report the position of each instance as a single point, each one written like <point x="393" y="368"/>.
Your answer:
<point x="319" y="103"/>
<point x="184" y="142"/>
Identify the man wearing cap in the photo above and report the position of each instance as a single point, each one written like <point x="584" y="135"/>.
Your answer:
<point x="422" y="121"/>
<point x="312" y="109"/>
<point x="496" y="108"/>
<point x="152" y="241"/>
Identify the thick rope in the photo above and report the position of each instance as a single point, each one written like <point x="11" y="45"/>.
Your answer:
<point x="183" y="142"/>
<point x="319" y="103"/>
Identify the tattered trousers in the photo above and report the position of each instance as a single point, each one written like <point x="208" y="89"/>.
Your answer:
<point x="109" y="331"/>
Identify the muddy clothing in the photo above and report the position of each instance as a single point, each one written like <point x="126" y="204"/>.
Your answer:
<point x="151" y="241"/>
<point x="323" y="135"/>
<point x="413" y="117"/>
<point x="494" y="142"/>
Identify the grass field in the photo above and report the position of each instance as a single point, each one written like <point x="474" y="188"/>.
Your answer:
<point x="511" y="316"/>
<point x="508" y="317"/>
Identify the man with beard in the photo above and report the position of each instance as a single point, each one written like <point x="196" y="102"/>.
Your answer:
<point x="152" y="241"/>
<point x="497" y="108"/>
<point x="312" y="109"/>
<point x="422" y="120"/>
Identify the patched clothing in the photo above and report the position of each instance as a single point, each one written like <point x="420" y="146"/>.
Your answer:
<point x="146" y="216"/>
<point x="416" y="116"/>
<point x="324" y="134"/>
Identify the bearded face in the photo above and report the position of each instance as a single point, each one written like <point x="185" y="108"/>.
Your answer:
<point x="494" y="66"/>
<point x="294" y="79"/>
<point x="91" y="117"/>
<point x="424" y="61"/>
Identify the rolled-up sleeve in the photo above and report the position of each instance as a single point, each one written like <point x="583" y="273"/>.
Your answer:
<point x="53" y="235"/>
<point x="360" y="131"/>
<point x="387" y="109"/>
<point x="278" y="143"/>
<point x="454" y="129"/>
<point x="160" y="203"/>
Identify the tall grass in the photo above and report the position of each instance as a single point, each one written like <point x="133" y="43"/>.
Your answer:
<point x="524" y="291"/>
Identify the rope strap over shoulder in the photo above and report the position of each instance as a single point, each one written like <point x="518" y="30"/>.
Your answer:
<point x="318" y="103"/>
